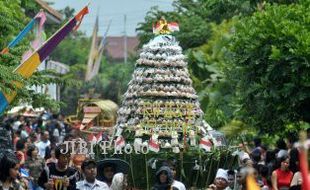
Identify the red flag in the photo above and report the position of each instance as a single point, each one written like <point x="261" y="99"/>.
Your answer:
<point x="205" y="144"/>
<point x="153" y="145"/>
<point x="119" y="142"/>
<point x="304" y="170"/>
<point x="92" y="138"/>
<point x="99" y="136"/>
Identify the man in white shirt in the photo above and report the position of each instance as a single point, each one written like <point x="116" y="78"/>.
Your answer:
<point x="43" y="144"/>
<point x="89" y="169"/>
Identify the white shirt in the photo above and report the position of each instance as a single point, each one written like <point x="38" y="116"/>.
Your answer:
<point x="24" y="134"/>
<point x="16" y="125"/>
<point x="42" y="147"/>
<point x="97" y="185"/>
<point x="178" y="185"/>
<point x="56" y="133"/>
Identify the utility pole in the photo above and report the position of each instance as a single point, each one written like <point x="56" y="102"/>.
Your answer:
<point x="125" y="40"/>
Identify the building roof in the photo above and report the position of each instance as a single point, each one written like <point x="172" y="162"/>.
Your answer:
<point x="115" y="46"/>
<point x="56" y="16"/>
<point x="57" y="66"/>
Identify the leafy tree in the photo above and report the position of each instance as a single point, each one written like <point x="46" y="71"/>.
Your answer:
<point x="68" y="12"/>
<point x="271" y="67"/>
<point x="195" y="17"/>
<point x="207" y="47"/>
<point x="208" y="69"/>
<point x="73" y="50"/>
<point x="110" y="83"/>
<point x="11" y="23"/>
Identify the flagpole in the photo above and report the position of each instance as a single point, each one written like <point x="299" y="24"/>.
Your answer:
<point x="125" y="39"/>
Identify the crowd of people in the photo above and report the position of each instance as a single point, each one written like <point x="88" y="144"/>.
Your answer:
<point x="38" y="162"/>
<point x="272" y="169"/>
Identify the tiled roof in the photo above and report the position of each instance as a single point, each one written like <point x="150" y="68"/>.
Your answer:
<point x="50" y="10"/>
<point x="115" y="46"/>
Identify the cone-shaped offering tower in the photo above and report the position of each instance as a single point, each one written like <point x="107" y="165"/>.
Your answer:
<point x="160" y="101"/>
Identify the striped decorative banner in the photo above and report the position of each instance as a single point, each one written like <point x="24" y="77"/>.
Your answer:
<point x="40" y="17"/>
<point x="29" y="66"/>
<point x="95" y="55"/>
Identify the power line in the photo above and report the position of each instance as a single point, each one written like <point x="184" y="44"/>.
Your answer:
<point x="160" y="1"/>
<point x="122" y="13"/>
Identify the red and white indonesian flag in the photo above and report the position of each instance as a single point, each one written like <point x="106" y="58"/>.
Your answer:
<point x="99" y="137"/>
<point x="205" y="144"/>
<point x="153" y="145"/>
<point x="173" y="26"/>
<point x="119" y="142"/>
<point x="95" y="138"/>
<point x="163" y="25"/>
<point x="92" y="138"/>
<point x="156" y="28"/>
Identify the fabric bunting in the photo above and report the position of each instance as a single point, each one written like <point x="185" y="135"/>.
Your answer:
<point x="39" y="39"/>
<point x="96" y="51"/>
<point x="39" y="17"/>
<point x="29" y="66"/>
<point x="93" y="54"/>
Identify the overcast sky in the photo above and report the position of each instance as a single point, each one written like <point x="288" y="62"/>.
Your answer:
<point x="115" y="10"/>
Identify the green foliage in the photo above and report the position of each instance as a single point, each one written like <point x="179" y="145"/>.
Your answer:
<point x="271" y="67"/>
<point x="72" y="50"/>
<point x="12" y="22"/>
<point x="110" y="83"/>
<point x="142" y="175"/>
<point x="214" y="10"/>
<point x="208" y="66"/>
<point x="194" y="18"/>
<point x="256" y="72"/>
<point x="68" y="12"/>
<point x="68" y="53"/>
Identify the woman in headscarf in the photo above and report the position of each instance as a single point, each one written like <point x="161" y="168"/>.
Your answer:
<point x="164" y="179"/>
<point x="119" y="182"/>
